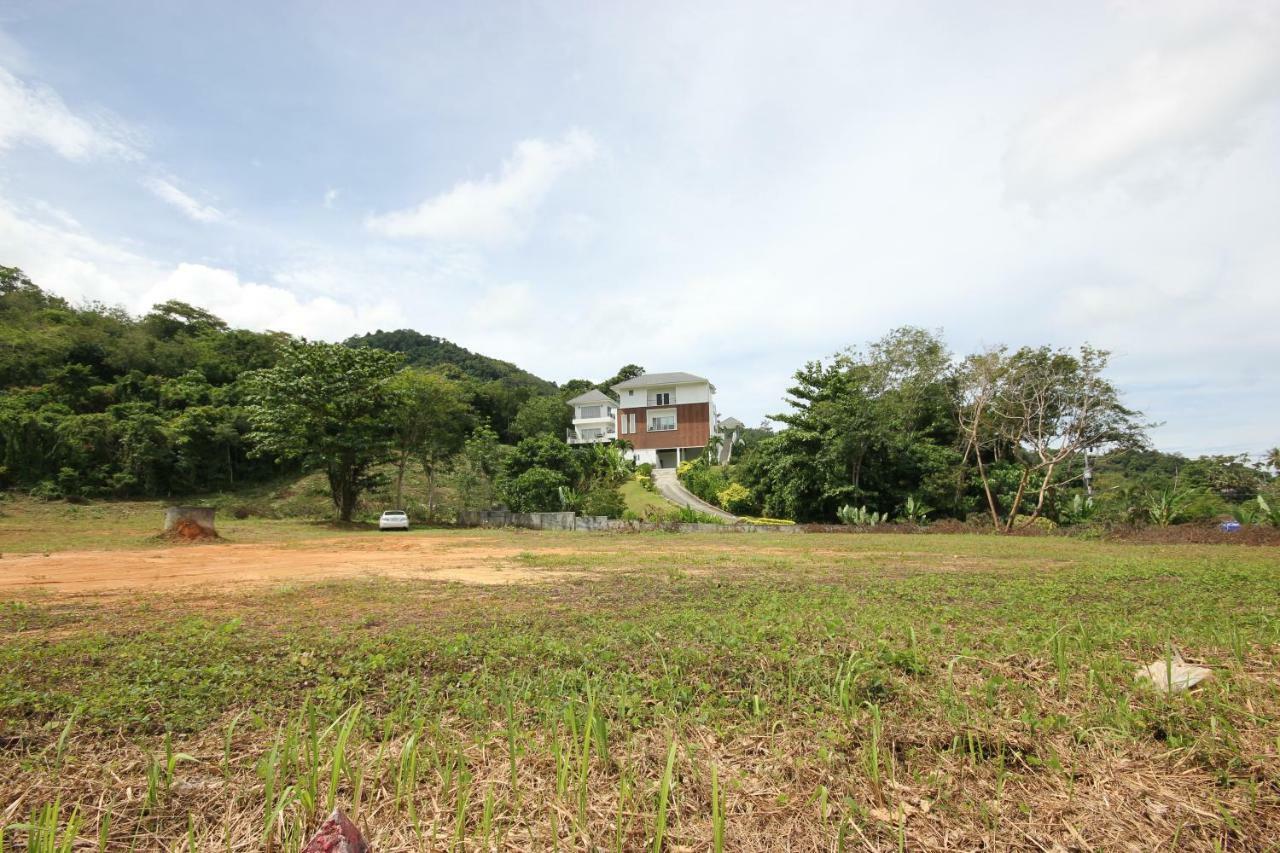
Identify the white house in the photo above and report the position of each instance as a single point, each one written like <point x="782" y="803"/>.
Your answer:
<point x="594" y="418"/>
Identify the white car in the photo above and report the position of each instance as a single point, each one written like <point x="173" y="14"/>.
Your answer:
<point x="393" y="519"/>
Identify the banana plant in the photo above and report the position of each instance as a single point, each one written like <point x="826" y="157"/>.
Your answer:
<point x="915" y="511"/>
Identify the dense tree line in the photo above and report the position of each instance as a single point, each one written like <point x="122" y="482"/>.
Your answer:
<point x="903" y="429"/>
<point x="99" y="403"/>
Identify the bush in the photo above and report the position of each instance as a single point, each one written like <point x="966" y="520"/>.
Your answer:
<point x="536" y="490"/>
<point x="645" y="481"/>
<point x="1023" y="522"/>
<point x="646" y="469"/>
<point x="860" y="517"/>
<point x="736" y="498"/>
<point x="604" y="500"/>
<point x="703" y="480"/>
<point x="46" y="490"/>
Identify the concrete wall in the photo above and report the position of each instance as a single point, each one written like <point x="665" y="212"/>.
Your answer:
<point x="568" y="521"/>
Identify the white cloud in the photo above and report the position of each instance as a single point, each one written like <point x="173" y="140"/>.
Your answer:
<point x="36" y="115"/>
<point x="166" y="191"/>
<point x="77" y="266"/>
<point x="252" y="305"/>
<point x="493" y="209"/>
<point x="331" y="197"/>
<point x="1141" y="123"/>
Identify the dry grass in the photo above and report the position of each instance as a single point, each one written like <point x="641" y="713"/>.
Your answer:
<point x="855" y="693"/>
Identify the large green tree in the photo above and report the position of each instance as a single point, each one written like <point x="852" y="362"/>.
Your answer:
<point x="431" y="418"/>
<point x="328" y="406"/>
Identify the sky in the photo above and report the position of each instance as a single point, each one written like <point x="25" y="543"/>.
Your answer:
<point x="728" y="189"/>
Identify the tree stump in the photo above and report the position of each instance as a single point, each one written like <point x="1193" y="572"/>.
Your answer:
<point x="189" y="522"/>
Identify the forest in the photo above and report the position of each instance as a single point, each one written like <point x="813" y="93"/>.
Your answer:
<point x="99" y="404"/>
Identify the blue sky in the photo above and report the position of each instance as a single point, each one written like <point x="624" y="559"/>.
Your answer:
<point x="729" y="189"/>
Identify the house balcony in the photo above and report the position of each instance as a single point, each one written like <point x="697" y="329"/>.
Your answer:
<point x="591" y="435"/>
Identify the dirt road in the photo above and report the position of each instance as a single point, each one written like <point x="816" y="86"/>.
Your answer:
<point x="453" y="558"/>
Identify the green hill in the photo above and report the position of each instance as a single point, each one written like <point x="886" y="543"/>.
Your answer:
<point x="429" y="351"/>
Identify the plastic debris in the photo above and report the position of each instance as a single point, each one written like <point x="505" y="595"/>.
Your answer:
<point x="1173" y="674"/>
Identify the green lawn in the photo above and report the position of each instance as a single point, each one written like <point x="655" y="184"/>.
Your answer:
<point x="643" y="502"/>
<point x="813" y="692"/>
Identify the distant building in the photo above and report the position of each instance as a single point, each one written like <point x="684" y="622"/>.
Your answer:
<point x="667" y="417"/>
<point x="594" y="418"/>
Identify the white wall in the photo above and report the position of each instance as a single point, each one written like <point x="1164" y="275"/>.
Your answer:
<point x="695" y="393"/>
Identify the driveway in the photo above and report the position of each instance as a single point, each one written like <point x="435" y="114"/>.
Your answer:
<point x="670" y="487"/>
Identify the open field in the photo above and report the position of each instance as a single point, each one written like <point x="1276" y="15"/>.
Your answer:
<point x="536" y="691"/>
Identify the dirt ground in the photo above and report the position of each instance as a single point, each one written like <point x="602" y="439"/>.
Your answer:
<point x="207" y="566"/>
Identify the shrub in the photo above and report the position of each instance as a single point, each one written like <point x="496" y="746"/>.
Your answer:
<point x="645" y="469"/>
<point x="1021" y="522"/>
<point x="46" y="490"/>
<point x="689" y="515"/>
<point x="536" y="490"/>
<point x="646" y="481"/>
<point x="860" y="517"/>
<point x="735" y="498"/>
<point x="1078" y="511"/>
<point x="604" y="500"/>
<point x="703" y="480"/>
<point x="915" y="512"/>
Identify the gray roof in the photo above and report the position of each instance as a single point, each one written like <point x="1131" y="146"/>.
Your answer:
<point x="649" y="380"/>
<point x="731" y="423"/>
<point x="592" y="396"/>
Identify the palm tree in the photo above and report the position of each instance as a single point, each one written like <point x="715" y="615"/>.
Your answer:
<point x="1272" y="459"/>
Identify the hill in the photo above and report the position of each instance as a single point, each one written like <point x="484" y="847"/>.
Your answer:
<point x="429" y="351"/>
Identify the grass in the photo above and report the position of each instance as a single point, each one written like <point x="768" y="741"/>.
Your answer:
<point x="720" y="691"/>
<point x="643" y="502"/>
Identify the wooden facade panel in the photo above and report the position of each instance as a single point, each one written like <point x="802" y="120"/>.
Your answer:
<point x="693" y="427"/>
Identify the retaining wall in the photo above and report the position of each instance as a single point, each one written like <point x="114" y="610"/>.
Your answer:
<point x="571" y="521"/>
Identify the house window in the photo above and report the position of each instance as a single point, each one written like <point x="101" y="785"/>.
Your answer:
<point x="628" y="424"/>
<point x="590" y="412"/>
<point x="662" y="398"/>
<point x="662" y="423"/>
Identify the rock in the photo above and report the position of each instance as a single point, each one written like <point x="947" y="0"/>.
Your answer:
<point x="337" y="835"/>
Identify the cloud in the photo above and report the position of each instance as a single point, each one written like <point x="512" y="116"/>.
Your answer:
<point x="36" y="115"/>
<point x="331" y="198"/>
<point x="78" y="266"/>
<point x="1141" y="123"/>
<point x="492" y="210"/>
<point x="167" y="192"/>
<point x="265" y="306"/>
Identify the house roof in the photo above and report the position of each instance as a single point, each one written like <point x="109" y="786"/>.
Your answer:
<point x="731" y="423"/>
<point x="648" y="380"/>
<point x="592" y="396"/>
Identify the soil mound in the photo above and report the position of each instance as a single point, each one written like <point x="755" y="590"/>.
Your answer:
<point x="186" y="530"/>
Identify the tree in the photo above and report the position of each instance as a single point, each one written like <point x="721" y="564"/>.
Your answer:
<point x="629" y="371"/>
<point x="864" y="428"/>
<point x="1042" y="407"/>
<point x="543" y="415"/>
<point x="536" y="490"/>
<point x="478" y="468"/>
<point x="1272" y="460"/>
<point x="547" y="451"/>
<point x="326" y="405"/>
<point x="431" y="418"/>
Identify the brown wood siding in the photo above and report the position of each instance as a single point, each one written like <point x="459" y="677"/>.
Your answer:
<point x="693" y="427"/>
